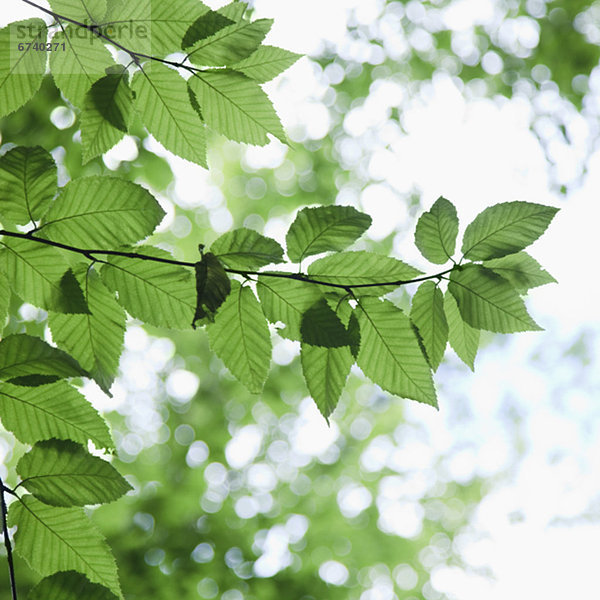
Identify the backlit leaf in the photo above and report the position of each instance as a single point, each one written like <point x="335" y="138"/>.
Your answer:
<point x="82" y="10"/>
<point x="246" y="249"/>
<point x="69" y="585"/>
<point x="463" y="338"/>
<point x="521" y="270"/>
<point x="436" y="232"/>
<point x="320" y="326"/>
<point x="205" y="26"/>
<point x="266" y="63"/>
<point x="212" y="287"/>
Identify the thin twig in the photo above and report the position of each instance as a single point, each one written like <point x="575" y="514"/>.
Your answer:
<point x="7" y="543"/>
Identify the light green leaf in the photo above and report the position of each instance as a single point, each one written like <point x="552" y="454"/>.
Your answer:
<point x="88" y="11"/>
<point x="56" y="410"/>
<point x="521" y="270"/>
<point x="27" y="184"/>
<point x="106" y="114"/>
<point x="24" y="355"/>
<point x="324" y="228"/>
<point x="236" y="106"/>
<point x="212" y="287"/>
<point x="286" y="300"/>
<point x="83" y="61"/>
<point x="240" y="338"/>
<point x="230" y="44"/>
<point x="326" y="371"/>
<point x="36" y="273"/>
<point x="266" y="63"/>
<point x="4" y="300"/>
<point x="505" y="229"/>
<point x="94" y="339"/>
<point x="463" y="338"/>
<point x="488" y="301"/>
<point x="363" y="270"/>
<point x="246" y="250"/>
<point x="163" y="104"/>
<point x="320" y="326"/>
<point x="427" y="313"/>
<point x="436" y="232"/>
<point x="234" y="10"/>
<point x="101" y="212"/>
<point x="69" y="585"/>
<point x="60" y="539"/>
<point x="158" y="293"/>
<point x="21" y="71"/>
<point x="63" y="473"/>
<point x="206" y="25"/>
<point x="390" y="354"/>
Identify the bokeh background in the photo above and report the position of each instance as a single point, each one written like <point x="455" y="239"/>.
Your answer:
<point x="495" y="496"/>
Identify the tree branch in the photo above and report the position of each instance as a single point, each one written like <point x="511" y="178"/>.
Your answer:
<point x="7" y="543"/>
<point x="348" y="287"/>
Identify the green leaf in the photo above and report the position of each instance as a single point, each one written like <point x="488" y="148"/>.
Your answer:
<point x="56" y="410"/>
<point x="488" y="301"/>
<point x="286" y="300"/>
<point x="324" y="228"/>
<point x="505" y="229"/>
<point x="521" y="270"/>
<point x="236" y="106"/>
<point x="463" y="338"/>
<point x="158" y="293"/>
<point x="101" y="212"/>
<point x="212" y="287"/>
<point x="390" y="354"/>
<point x="23" y="355"/>
<point x="240" y="338"/>
<point x="21" y="72"/>
<point x="72" y="295"/>
<point x="246" y="249"/>
<point x="206" y="25"/>
<point x="107" y="112"/>
<point x="436" y="232"/>
<point x="27" y="184"/>
<point x="88" y="11"/>
<point x="326" y="371"/>
<point x="427" y="313"/>
<point x="4" y="300"/>
<point x="163" y="103"/>
<point x="36" y="273"/>
<point x="94" y="339"/>
<point x="266" y="63"/>
<point x="60" y="539"/>
<point x="83" y="61"/>
<point x="69" y="585"/>
<point x="320" y="326"/>
<point x="363" y="270"/>
<point x="229" y="44"/>
<point x="63" y="473"/>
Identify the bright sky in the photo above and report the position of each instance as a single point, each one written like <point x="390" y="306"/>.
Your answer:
<point x="475" y="152"/>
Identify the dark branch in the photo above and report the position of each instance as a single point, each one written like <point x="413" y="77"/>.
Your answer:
<point x="7" y="543"/>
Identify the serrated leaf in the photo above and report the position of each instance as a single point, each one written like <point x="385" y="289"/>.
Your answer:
<point x="27" y="184"/>
<point x="56" y="410"/>
<point x="4" y="300"/>
<point x="158" y="293"/>
<point x="286" y="300"/>
<point x="163" y="104"/>
<point x="320" y="326"/>
<point x="324" y="228"/>
<point x="83" y="61"/>
<point x="505" y="228"/>
<point x="63" y="473"/>
<point x="521" y="270"/>
<point x="21" y="72"/>
<point x="88" y="11"/>
<point x="435" y="235"/>
<point x="236" y="106"/>
<point x="229" y="44"/>
<point x="69" y="585"/>
<point x="245" y="249"/>
<point x="212" y="287"/>
<point x="94" y="339"/>
<point x="390" y="355"/>
<point x="266" y="63"/>
<point x="206" y="25"/>
<point x="463" y="338"/>
<point x="36" y="273"/>
<point x="59" y="539"/>
<point x="72" y="301"/>
<point x="363" y="270"/>
<point x="488" y="301"/>
<point x="325" y="371"/>
<point x="107" y="112"/>
<point x="23" y="355"/>
<point x="101" y="212"/>
<point x="240" y="338"/>
<point x="427" y="313"/>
